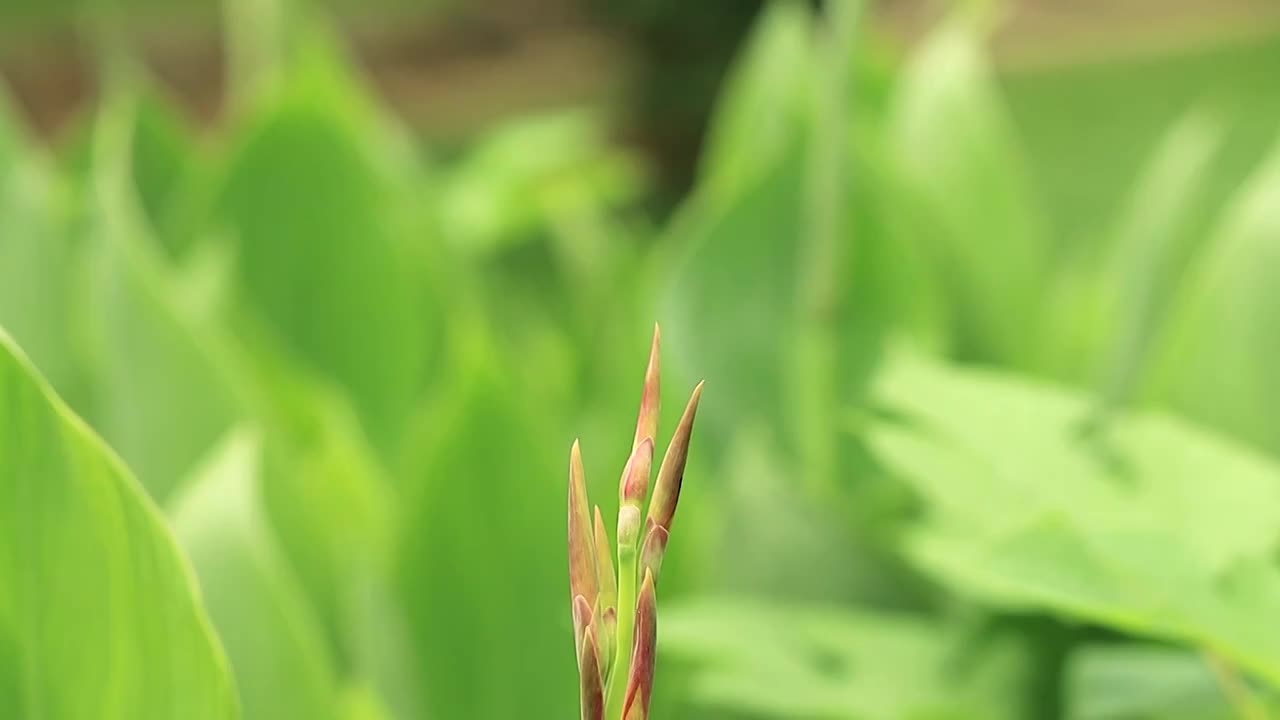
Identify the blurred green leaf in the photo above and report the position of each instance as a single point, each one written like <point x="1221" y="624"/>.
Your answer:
<point x="764" y="103"/>
<point x="1029" y="508"/>
<point x="792" y="661"/>
<point x="164" y="163"/>
<point x="527" y="173"/>
<point x="967" y="197"/>
<point x="38" y="288"/>
<point x="1218" y="360"/>
<point x="1130" y="682"/>
<point x="1103" y="325"/>
<point x="331" y="506"/>
<point x="708" y="310"/>
<point x="482" y="559"/>
<point x="314" y="204"/>
<point x="99" y="614"/>
<point x="163" y="392"/>
<point x="273" y="637"/>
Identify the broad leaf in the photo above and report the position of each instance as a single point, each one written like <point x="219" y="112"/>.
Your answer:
<point x="37" y="263"/>
<point x="163" y="392"/>
<point x="1105" y="321"/>
<point x="967" y="199"/>
<point x="99" y="613"/>
<point x="764" y="103"/>
<point x="482" y="557"/>
<point x="1218" y="359"/>
<point x="786" y="661"/>
<point x="1147" y="525"/>
<point x="314" y="206"/>
<point x="273" y="637"/>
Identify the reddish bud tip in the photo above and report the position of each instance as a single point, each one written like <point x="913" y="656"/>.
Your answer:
<point x="666" y="491"/>
<point x="643" y="649"/>
<point x="647" y="421"/>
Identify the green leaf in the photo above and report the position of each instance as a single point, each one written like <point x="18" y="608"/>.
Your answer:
<point x="482" y="558"/>
<point x="1217" y="361"/>
<point x="331" y="506"/>
<point x="793" y="661"/>
<point x="273" y="637"/>
<point x="164" y="162"/>
<point x="315" y="205"/>
<point x="1031" y="508"/>
<point x="707" y="310"/>
<point x="1121" y="682"/>
<point x="967" y="197"/>
<point x="163" y="390"/>
<point x="1104" y="324"/>
<point x="99" y="613"/>
<point x="529" y="174"/>
<point x="764" y="103"/>
<point x="37" y="263"/>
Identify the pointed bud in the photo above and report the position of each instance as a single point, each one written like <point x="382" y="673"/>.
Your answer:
<point x="640" y="683"/>
<point x="655" y="545"/>
<point x="581" y="619"/>
<point x="591" y="681"/>
<point x="606" y="581"/>
<point x="582" y="564"/>
<point x="666" y="492"/>
<point x="634" y="487"/>
<point x="647" y="422"/>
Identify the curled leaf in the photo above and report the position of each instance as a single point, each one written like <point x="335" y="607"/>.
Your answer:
<point x="640" y="681"/>
<point x="655" y="545"/>
<point x="590" y="679"/>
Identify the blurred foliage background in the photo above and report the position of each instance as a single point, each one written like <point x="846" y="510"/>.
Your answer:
<point x="984" y="294"/>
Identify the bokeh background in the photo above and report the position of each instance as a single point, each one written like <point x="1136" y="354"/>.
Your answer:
<point x="986" y="296"/>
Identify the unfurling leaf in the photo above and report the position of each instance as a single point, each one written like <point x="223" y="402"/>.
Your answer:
<point x="655" y="544"/>
<point x="591" y="683"/>
<point x="640" y="682"/>
<point x="582" y="564"/>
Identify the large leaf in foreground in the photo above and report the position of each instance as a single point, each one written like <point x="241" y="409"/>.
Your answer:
<point x="785" y="661"/>
<point x="1149" y="525"/>
<point x="99" y="616"/>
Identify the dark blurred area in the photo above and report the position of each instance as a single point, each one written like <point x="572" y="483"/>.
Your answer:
<point x="452" y="69"/>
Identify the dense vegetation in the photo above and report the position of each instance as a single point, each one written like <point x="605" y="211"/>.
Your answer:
<point x="963" y="454"/>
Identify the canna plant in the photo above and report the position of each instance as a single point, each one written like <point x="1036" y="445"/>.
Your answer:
<point x="615" y="617"/>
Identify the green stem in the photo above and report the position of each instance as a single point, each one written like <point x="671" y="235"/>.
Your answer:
<point x="626" y="629"/>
